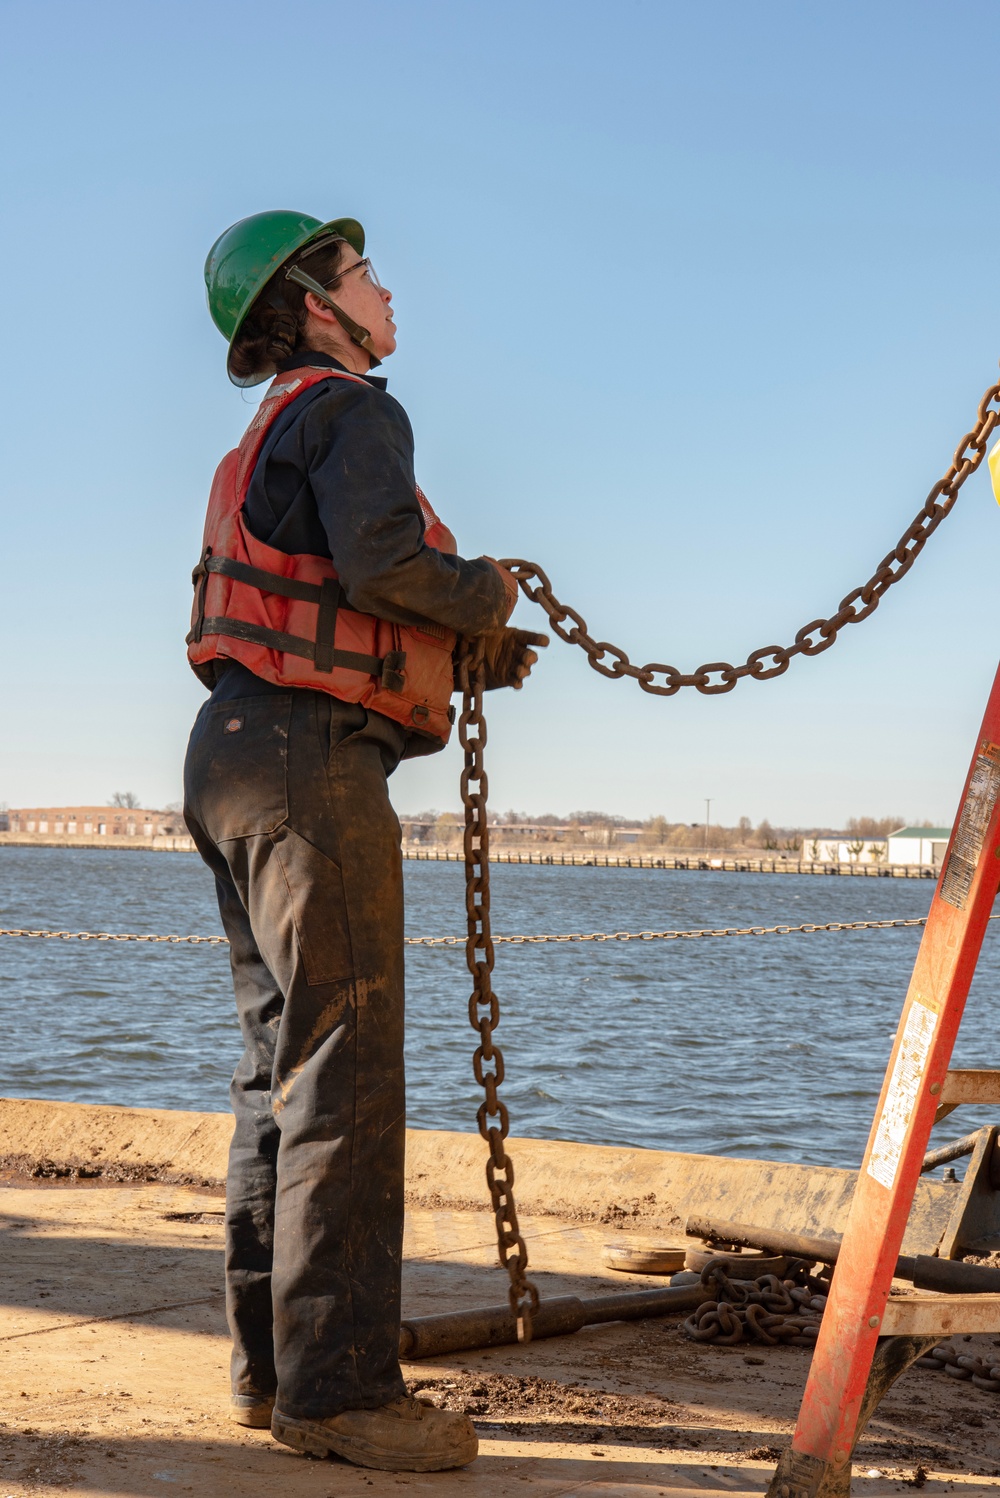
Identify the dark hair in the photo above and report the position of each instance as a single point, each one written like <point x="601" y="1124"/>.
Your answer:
<point x="274" y="325"/>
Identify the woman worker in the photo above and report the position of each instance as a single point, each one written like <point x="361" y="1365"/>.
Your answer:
<point x="328" y="599"/>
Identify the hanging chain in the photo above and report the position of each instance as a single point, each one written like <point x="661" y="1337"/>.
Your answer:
<point x="484" y="1010"/>
<point x="762" y="664"/>
<point x="711" y="679"/>
<point x="813" y="638"/>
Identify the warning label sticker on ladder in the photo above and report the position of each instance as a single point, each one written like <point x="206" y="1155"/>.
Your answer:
<point x="984" y="787"/>
<point x="900" y="1100"/>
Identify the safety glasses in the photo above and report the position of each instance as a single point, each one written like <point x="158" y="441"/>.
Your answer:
<point x="367" y="271"/>
<point x="301" y="278"/>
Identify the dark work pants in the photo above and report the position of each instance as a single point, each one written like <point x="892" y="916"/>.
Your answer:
<point x="286" y="798"/>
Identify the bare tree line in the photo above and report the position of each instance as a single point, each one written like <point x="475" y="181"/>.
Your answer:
<point x="587" y="828"/>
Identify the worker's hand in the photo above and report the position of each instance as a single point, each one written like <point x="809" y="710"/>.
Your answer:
<point x="509" y="585"/>
<point x="509" y="656"/>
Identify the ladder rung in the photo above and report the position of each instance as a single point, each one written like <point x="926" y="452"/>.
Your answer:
<point x="949" y="1315"/>
<point x="971" y="1087"/>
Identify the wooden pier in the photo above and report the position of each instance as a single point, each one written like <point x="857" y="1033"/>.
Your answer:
<point x="711" y="863"/>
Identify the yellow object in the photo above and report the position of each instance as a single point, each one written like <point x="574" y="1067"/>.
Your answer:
<point x="994" y="462"/>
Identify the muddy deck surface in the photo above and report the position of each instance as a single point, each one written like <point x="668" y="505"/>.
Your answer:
<point x="114" y="1372"/>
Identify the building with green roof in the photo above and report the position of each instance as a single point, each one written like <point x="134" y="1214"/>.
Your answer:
<point x="924" y="845"/>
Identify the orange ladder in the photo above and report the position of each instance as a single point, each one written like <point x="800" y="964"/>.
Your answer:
<point x="867" y="1339"/>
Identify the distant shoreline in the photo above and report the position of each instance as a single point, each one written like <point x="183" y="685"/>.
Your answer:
<point x="165" y="843"/>
<point x="664" y="859"/>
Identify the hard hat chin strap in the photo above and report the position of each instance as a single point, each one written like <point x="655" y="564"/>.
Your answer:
<point x="354" y="330"/>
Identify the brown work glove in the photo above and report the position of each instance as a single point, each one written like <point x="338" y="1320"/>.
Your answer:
<point x="509" y="656"/>
<point x="509" y="585"/>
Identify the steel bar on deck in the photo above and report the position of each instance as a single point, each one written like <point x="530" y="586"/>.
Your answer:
<point x="496" y="1326"/>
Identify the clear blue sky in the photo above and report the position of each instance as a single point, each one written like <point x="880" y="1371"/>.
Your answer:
<point x="694" y="304"/>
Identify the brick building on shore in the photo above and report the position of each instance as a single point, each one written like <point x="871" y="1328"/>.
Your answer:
<point x="95" y="821"/>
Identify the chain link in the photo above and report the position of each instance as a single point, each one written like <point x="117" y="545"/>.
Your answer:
<point x="601" y="936"/>
<point x="808" y="929"/>
<point x="484" y="1009"/>
<point x="175" y="941"/>
<point x="768" y="1310"/>
<point x="984" y="1373"/>
<point x="813" y="638"/>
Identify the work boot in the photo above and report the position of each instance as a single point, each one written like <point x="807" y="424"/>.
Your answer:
<point x="254" y="1410"/>
<point x="408" y="1435"/>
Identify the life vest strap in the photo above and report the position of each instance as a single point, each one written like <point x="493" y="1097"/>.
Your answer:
<point x="328" y="595"/>
<point x="389" y="669"/>
<point x="256" y="577"/>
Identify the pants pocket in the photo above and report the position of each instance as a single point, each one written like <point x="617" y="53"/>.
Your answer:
<point x="236" y="773"/>
<point x="318" y="908"/>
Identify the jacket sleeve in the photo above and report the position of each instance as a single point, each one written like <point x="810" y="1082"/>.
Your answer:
<point x="358" y="447"/>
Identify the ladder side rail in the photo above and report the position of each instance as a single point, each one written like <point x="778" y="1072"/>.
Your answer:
<point x="949" y="949"/>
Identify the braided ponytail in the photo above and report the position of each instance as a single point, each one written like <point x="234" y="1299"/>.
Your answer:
<point x="273" y="328"/>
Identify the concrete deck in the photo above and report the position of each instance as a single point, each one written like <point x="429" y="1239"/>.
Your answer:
<point x="114" y="1374"/>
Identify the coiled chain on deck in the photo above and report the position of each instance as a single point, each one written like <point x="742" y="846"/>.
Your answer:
<point x="768" y="1310"/>
<point x="984" y="1374"/>
<point x="813" y="638"/>
<point x="484" y="1009"/>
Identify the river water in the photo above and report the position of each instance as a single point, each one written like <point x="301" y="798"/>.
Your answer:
<point x="772" y="1047"/>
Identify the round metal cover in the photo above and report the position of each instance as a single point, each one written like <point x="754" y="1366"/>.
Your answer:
<point x="748" y="1264"/>
<point x="643" y="1258"/>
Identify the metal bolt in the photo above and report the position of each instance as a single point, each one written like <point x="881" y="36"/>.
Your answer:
<point x="935" y="1088"/>
<point x="873" y="1321"/>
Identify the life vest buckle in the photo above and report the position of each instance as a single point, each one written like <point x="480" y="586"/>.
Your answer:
<point x="394" y="670"/>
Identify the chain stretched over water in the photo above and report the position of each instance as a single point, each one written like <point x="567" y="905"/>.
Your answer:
<point x="484" y="1009"/>
<point x="813" y="638"/>
<point x="601" y="936"/>
<point x="808" y="928"/>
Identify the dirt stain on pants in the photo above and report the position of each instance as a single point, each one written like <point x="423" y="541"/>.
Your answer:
<point x="291" y="813"/>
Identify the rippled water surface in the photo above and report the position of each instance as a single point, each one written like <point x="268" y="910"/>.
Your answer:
<point x="763" y="1046"/>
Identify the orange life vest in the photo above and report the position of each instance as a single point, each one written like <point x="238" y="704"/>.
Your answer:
<point x="285" y="616"/>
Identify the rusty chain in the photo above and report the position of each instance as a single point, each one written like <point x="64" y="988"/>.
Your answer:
<point x="813" y="638"/>
<point x="808" y="929"/>
<point x="760" y="1306"/>
<point x="484" y="1009"/>
<point x="984" y="1374"/>
<point x="174" y="941"/>
<point x="763" y="664"/>
<point x="768" y="1310"/>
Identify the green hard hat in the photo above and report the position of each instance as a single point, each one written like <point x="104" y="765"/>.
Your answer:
<point x="244" y="258"/>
